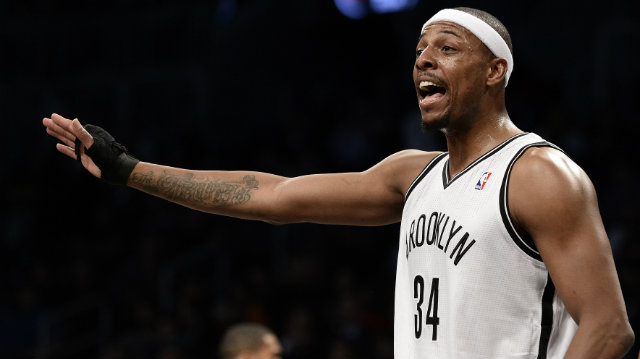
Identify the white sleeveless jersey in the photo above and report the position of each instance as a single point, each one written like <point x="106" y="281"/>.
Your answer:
<point x="469" y="284"/>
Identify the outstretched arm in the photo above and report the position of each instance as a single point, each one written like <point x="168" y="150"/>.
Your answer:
<point x="341" y="198"/>
<point x="372" y="197"/>
<point x="555" y="202"/>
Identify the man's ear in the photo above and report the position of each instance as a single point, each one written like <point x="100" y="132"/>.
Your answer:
<point x="497" y="71"/>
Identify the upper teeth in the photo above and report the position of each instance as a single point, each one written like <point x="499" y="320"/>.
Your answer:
<point x="424" y="84"/>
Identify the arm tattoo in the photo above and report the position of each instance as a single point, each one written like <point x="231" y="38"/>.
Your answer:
<point x="197" y="190"/>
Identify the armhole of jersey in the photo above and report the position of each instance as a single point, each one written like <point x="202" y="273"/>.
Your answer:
<point x="521" y="238"/>
<point x="424" y="172"/>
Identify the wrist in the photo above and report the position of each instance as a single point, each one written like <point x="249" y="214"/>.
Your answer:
<point x="115" y="163"/>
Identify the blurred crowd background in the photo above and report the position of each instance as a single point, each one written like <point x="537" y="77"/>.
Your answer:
<point x="287" y="87"/>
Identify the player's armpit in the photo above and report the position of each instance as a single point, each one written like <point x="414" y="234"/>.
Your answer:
<point x="553" y="200"/>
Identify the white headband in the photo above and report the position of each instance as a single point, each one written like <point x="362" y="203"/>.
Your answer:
<point x="481" y="30"/>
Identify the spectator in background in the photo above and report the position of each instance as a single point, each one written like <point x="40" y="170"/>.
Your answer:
<point x="250" y="340"/>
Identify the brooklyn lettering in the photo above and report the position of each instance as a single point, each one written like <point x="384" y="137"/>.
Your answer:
<point x="440" y="231"/>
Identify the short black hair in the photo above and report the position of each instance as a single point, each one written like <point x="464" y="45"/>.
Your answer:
<point x="491" y="21"/>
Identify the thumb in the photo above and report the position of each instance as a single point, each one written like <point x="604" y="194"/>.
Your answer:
<point x="81" y="133"/>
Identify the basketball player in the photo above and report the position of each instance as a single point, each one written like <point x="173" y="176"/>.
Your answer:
<point x="503" y="253"/>
<point x="250" y="341"/>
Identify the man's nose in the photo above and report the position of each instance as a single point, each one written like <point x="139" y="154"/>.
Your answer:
<point x="425" y="60"/>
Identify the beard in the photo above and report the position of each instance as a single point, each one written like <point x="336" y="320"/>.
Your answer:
<point x="435" y="125"/>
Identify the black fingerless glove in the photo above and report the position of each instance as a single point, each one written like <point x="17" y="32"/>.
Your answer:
<point x="115" y="163"/>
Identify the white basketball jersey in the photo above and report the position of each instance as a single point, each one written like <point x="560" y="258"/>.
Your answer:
<point x="469" y="284"/>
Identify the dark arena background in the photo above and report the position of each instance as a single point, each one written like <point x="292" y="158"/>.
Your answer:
<point x="287" y="87"/>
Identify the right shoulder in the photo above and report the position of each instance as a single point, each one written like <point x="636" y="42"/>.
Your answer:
<point x="400" y="169"/>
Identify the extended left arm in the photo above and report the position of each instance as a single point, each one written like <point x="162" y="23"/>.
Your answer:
<point x="555" y="202"/>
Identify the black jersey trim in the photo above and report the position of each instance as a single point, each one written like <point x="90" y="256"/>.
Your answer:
<point x="445" y="175"/>
<point x="520" y="237"/>
<point x="424" y="172"/>
<point x="546" y="320"/>
<point x="446" y="182"/>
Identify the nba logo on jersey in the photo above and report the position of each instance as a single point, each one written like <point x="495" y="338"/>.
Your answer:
<point x="483" y="180"/>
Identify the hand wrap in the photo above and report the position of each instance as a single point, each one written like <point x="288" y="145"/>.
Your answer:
<point x="115" y="163"/>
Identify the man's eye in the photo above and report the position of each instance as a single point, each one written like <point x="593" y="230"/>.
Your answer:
<point x="419" y="52"/>
<point x="447" y="48"/>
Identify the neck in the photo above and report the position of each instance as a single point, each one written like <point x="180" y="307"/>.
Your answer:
<point x="478" y="137"/>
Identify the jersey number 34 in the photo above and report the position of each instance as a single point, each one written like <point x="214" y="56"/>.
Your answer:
<point x="432" y="306"/>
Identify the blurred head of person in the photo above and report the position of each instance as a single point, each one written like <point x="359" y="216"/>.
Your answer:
<point x="250" y="340"/>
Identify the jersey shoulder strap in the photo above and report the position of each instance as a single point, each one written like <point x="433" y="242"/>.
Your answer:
<point x="520" y="237"/>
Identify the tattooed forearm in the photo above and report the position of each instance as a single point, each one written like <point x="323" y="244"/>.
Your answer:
<point x="200" y="191"/>
<point x="142" y="179"/>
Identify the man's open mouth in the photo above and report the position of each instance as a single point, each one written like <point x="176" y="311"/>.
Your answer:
<point x="428" y="89"/>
